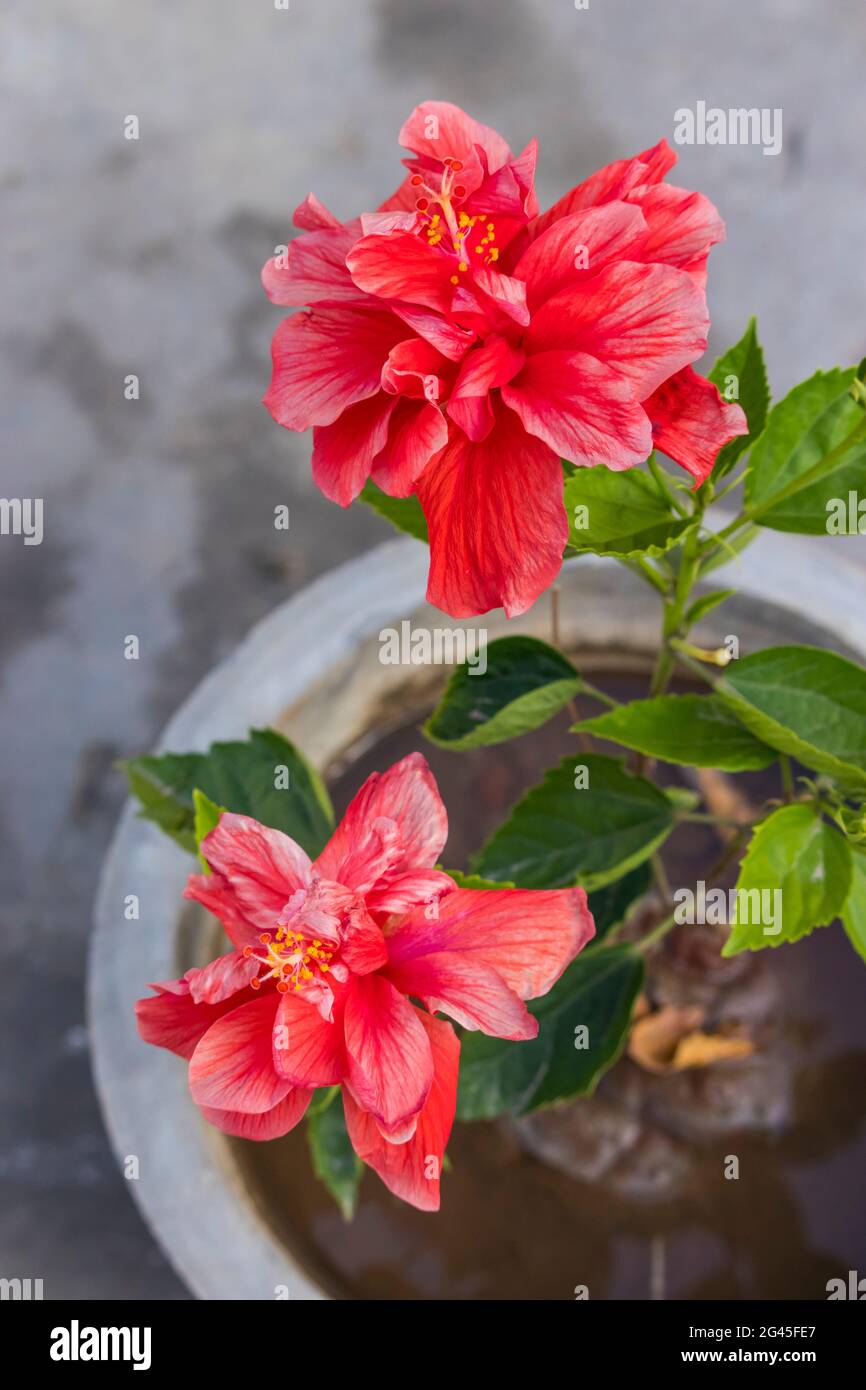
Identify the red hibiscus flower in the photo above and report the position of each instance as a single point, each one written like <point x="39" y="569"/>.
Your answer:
<point x="457" y="344"/>
<point x="328" y="957"/>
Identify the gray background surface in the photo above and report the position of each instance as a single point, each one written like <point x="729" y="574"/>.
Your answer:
<point x="143" y="257"/>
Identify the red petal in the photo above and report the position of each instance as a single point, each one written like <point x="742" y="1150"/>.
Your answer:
<point x="646" y="321"/>
<point x="390" y="1069"/>
<point x="449" y="338"/>
<point x="421" y="887"/>
<point x="584" y="410"/>
<point x="362" y="948"/>
<point x="491" y="365"/>
<point x="691" y="422"/>
<point x="613" y="181"/>
<point x="307" y="1049"/>
<point x="596" y="236"/>
<point x="325" y="360"/>
<point x="411" y="1170"/>
<point x="343" y="452"/>
<point x="416" y="368"/>
<point x="270" y="1124"/>
<point x="172" y="1019"/>
<point x="528" y="936"/>
<point x="416" y="432"/>
<point x="222" y="978"/>
<point x="682" y="226"/>
<point x="405" y="795"/>
<point x="316" y="271"/>
<point x="468" y="990"/>
<point x="232" y="1067"/>
<point x="438" y="130"/>
<point x="313" y="216"/>
<point x="401" y="266"/>
<point x="256" y="871"/>
<point x="496" y="519"/>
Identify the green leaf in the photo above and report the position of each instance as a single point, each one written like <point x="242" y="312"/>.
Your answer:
<point x="404" y="513"/>
<point x="805" y="702"/>
<point x="809" y="424"/>
<point x="334" y="1159"/>
<point x="474" y="880"/>
<point x="612" y="904"/>
<point x="854" y="911"/>
<point x="588" y="822"/>
<point x="625" y="514"/>
<point x="694" y="730"/>
<point x="800" y="866"/>
<point x="526" y="682"/>
<point x="206" y="817"/>
<point x="705" y="605"/>
<point x="745" y="361"/>
<point x="240" y="777"/>
<point x="596" y="993"/>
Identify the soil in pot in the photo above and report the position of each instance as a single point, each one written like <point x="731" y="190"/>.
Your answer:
<point x="624" y="1192"/>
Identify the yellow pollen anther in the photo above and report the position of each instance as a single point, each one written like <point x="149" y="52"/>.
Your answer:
<point x="455" y="279"/>
<point x="464" y="265"/>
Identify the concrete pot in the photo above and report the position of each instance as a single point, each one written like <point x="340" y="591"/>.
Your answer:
<point x="312" y="670"/>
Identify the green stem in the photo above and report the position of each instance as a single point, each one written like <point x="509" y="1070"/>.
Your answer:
<point x="647" y="942"/>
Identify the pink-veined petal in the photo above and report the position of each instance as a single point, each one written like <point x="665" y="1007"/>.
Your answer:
<point x="681" y="226"/>
<point x="645" y="321"/>
<point x="222" y="978"/>
<point x="308" y="1050"/>
<point x="491" y="365"/>
<point x="232" y="1067"/>
<point x="312" y="270"/>
<point x="496" y="520"/>
<point x="467" y="989"/>
<point x="528" y="936"/>
<point x="256" y="871"/>
<point x="584" y="410"/>
<point x="438" y="130"/>
<point x="173" y="1020"/>
<point x="691" y="422"/>
<point x="313" y="216"/>
<point x="406" y="795"/>
<point x="389" y="1064"/>
<point x="343" y="452"/>
<point x="411" y="1170"/>
<point x="416" y="432"/>
<point x="405" y="891"/>
<point x="578" y="245"/>
<point x="402" y="266"/>
<point x="269" y="1124"/>
<point x="327" y="359"/>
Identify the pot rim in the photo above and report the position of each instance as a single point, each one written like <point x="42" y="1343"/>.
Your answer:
<point x="200" y="1205"/>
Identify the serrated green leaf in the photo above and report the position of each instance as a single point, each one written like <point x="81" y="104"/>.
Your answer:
<point x="692" y="730"/>
<point x="808" y="703"/>
<point x="854" y="911"/>
<point x="404" y="513"/>
<point x="745" y="361"/>
<point x="240" y="776"/>
<point x="526" y="682"/>
<point x="807" y="426"/>
<point x="334" y="1159"/>
<point x="561" y="833"/>
<point x="596" y="993"/>
<point x="799" y="866"/>
<point x="626" y="515"/>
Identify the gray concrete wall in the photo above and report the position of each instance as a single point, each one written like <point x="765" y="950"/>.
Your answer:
<point x="124" y="256"/>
